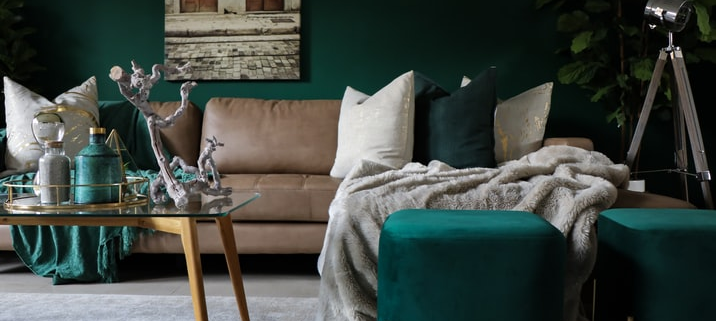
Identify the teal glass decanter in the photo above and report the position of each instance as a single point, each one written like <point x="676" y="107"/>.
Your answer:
<point x="98" y="171"/>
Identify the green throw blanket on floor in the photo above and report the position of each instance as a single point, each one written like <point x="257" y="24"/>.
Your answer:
<point x="72" y="254"/>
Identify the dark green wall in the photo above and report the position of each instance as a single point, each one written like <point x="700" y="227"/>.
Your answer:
<point x="364" y="44"/>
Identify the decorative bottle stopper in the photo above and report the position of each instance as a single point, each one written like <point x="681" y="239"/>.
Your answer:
<point x="54" y="174"/>
<point x="98" y="171"/>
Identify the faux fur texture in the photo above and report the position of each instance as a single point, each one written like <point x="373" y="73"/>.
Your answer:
<point x="568" y="186"/>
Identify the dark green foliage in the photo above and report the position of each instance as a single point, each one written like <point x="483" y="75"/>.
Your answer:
<point x="613" y="51"/>
<point x="16" y="54"/>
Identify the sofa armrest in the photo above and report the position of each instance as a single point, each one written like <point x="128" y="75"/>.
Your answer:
<point x="581" y="142"/>
<point x="632" y="199"/>
<point x="625" y="198"/>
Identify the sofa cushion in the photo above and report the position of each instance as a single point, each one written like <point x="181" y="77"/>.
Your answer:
<point x="272" y="136"/>
<point x="456" y="128"/>
<point x="184" y="137"/>
<point x="284" y="197"/>
<point x="180" y="139"/>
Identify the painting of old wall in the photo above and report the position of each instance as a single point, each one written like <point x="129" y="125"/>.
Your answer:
<point x="233" y="39"/>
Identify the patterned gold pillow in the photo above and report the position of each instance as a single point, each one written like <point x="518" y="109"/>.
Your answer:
<point x="77" y="107"/>
<point x="378" y="128"/>
<point x="520" y="123"/>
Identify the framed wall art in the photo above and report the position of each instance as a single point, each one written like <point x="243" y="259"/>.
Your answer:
<point x="233" y="39"/>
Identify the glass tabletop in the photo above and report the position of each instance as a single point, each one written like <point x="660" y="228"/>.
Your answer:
<point x="200" y="205"/>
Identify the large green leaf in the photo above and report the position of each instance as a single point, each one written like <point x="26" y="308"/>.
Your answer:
<point x="572" y="21"/>
<point x="629" y="30"/>
<point x="642" y="69"/>
<point x="577" y="72"/>
<point x="702" y="22"/>
<point x="599" y="35"/>
<point x="601" y="93"/>
<point x="618" y="116"/>
<point x="622" y="81"/>
<point x="581" y="41"/>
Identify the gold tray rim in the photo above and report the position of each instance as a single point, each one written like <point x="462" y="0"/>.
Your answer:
<point x="140" y="200"/>
<point x="13" y="197"/>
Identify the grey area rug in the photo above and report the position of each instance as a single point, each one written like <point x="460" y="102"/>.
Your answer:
<point x="103" y="307"/>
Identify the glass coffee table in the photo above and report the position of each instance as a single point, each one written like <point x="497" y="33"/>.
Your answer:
<point x="25" y="210"/>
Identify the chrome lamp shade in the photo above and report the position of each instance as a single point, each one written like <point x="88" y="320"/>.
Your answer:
<point x="673" y="15"/>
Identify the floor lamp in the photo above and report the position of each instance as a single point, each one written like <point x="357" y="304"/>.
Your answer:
<point x="673" y="15"/>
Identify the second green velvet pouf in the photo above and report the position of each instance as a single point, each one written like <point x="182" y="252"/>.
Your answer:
<point x="470" y="265"/>
<point x="656" y="265"/>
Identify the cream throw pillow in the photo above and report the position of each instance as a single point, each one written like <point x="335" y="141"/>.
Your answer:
<point x="378" y="128"/>
<point x="77" y="107"/>
<point x="520" y="122"/>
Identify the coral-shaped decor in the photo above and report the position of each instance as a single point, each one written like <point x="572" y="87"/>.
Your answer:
<point x="136" y="88"/>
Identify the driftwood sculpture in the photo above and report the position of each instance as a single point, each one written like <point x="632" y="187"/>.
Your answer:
<point x="136" y="88"/>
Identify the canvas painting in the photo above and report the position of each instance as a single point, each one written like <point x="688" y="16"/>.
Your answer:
<point x="233" y="39"/>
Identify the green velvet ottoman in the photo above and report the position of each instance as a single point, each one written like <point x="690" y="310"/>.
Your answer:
<point x="656" y="264"/>
<point x="470" y="265"/>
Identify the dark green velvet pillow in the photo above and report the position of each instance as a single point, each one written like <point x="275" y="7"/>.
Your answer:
<point x="129" y="123"/>
<point x="456" y="128"/>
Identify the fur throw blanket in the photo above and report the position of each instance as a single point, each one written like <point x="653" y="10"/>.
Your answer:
<point x="567" y="186"/>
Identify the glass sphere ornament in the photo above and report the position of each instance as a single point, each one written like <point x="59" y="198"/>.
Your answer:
<point x="48" y="127"/>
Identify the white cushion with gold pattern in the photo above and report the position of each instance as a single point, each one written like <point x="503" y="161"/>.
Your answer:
<point x="520" y="123"/>
<point x="378" y="128"/>
<point x="77" y="107"/>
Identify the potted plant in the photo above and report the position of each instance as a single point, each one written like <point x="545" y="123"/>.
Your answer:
<point x="16" y="54"/>
<point x="613" y="52"/>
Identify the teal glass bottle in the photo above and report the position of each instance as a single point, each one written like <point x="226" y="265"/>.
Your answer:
<point x="100" y="166"/>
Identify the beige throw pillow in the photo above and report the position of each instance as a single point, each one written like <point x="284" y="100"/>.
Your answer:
<point x="378" y="128"/>
<point x="77" y="107"/>
<point x="520" y="123"/>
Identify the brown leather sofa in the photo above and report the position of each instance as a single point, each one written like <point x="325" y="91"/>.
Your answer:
<point x="283" y="149"/>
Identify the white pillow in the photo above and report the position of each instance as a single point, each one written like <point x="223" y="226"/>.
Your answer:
<point x="520" y="123"/>
<point x="77" y="107"/>
<point x="378" y="128"/>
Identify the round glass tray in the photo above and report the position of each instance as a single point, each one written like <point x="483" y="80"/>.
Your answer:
<point x="21" y="195"/>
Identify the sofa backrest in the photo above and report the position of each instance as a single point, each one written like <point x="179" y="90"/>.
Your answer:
<point x="272" y="136"/>
<point x="183" y="138"/>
